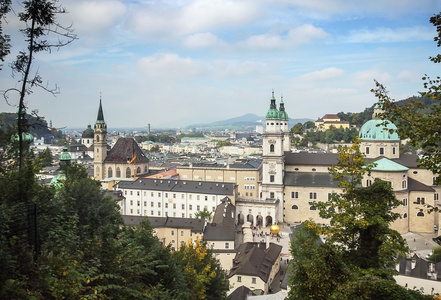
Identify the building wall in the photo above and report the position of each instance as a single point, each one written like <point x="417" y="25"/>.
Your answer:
<point x="372" y="149"/>
<point x="246" y="179"/>
<point x="251" y="282"/>
<point x="164" y="203"/>
<point x="176" y="237"/>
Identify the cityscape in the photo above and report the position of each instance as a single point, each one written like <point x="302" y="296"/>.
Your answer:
<point x="220" y="150"/>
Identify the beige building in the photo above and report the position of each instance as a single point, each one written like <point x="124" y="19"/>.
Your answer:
<point x="244" y="175"/>
<point x="330" y="120"/>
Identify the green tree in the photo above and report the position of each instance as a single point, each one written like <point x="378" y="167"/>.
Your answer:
<point x="309" y="125"/>
<point x="202" y="271"/>
<point x="203" y="214"/>
<point x="435" y="257"/>
<point x="414" y="120"/>
<point x="45" y="158"/>
<point x="220" y="144"/>
<point x="359" y="245"/>
<point x="297" y="129"/>
<point x="39" y="18"/>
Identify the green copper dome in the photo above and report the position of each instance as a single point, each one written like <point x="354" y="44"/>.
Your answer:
<point x="65" y="156"/>
<point x="57" y="181"/>
<point x="282" y="113"/>
<point x="273" y="112"/>
<point x="373" y="130"/>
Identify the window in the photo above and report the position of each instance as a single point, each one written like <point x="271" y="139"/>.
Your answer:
<point x="312" y="195"/>
<point x="139" y="203"/>
<point x="393" y="150"/>
<point x="272" y="195"/>
<point x="131" y="202"/>
<point x="145" y="203"/>
<point x="166" y="205"/>
<point x="151" y="204"/>
<point x="159" y="194"/>
<point x="239" y="278"/>
<point x="137" y="193"/>
<point x="294" y="207"/>
<point x="190" y="207"/>
<point x="272" y="148"/>
<point x="368" y="182"/>
<point x="138" y="170"/>
<point x="118" y="172"/>
<point x="182" y="233"/>
<point x="172" y="232"/>
<point x="227" y="245"/>
<point x="206" y="198"/>
<point x="198" y="197"/>
<point x="131" y="193"/>
<point x="367" y="150"/>
<point x="294" y="195"/>
<point x="128" y="173"/>
<point x="182" y="206"/>
<point x="271" y="178"/>
<point x="109" y="172"/>
<point x="420" y="200"/>
<point x="420" y="214"/>
<point x="312" y="207"/>
<point x="405" y="216"/>
<point x="131" y="211"/>
<point x="174" y="196"/>
<point x="405" y="201"/>
<point x="159" y="204"/>
<point x="159" y="213"/>
<point x="253" y="280"/>
<point x="151" y="194"/>
<point x="198" y="208"/>
<point x="190" y="196"/>
<point x="166" y="195"/>
<point x="404" y="184"/>
<point x="182" y="196"/>
<point x="381" y="151"/>
<point x="436" y="196"/>
<point x="174" y="205"/>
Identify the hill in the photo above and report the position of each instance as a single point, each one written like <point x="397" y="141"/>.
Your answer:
<point x="38" y="126"/>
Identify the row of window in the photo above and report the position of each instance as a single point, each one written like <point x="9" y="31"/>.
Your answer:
<point x="152" y="194"/>
<point x="253" y="279"/>
<point x="158" y="213"/>
<point x="312" y="195"/>
<point x="381" y="150"/>
<point x="152" y="204"/>
<point x="250" y="187"/>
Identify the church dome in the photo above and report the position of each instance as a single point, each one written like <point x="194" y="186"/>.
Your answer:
<point x="88" y="133"/>
<point x="273" y="112"/>
<point x="375" y="130"/>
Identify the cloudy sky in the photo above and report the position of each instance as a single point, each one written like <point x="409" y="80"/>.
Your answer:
<point x="179" y="62"/>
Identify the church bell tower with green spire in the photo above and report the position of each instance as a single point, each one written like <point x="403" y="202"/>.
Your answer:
<point x="100" y="144"/>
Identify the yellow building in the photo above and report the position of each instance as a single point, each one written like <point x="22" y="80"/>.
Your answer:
<point x="330" y="120"/>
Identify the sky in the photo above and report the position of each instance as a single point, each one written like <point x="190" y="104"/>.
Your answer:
<point x="180" y="62"/>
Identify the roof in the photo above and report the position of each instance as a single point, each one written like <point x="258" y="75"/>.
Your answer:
<point x="377" y="130"/>
<point x="195" y="225"/>
<point x="253" y="259"/>
<point x="385" y="164"/>
<point x="313" y="159"/>
<point x="124" y="151"/>
<point x="166" y="174"/>
<point x="88" y="133"/>
<point x="415" y="185"/>
<point x="222" y="227"/>
<point x="309" y="179"/>
<point x="241" y="293"/>
<point x="198" y="187"/>
<point x="100" y="117"/>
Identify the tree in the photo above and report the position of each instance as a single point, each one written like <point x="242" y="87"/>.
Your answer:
<point x="203" y="214"/>
<point x="45" y="158"/>
<point x="435" y="257"/>
<point x="359" y="245"/>
<point x="297" y="129"/>
<point x="309" y="125"/>
<point x="42" y="32"/>
<point x="202" y="271"/>
<point x="415" y="121"/>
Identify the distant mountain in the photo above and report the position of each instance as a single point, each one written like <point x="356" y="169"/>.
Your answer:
<point x="245" y="122"/>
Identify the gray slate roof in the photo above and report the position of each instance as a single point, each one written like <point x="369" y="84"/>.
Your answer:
<point x="170" y="185"/>
<point x="309" y="179"/>
<point x="196" y="225"/>
<point x="223" y="226"/>
<point x="252" y="259"/>
<point x="415" y="185"/>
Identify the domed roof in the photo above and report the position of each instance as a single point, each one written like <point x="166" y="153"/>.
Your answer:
<point x="282" y="113"/>
<point x="273" y="112"/>
<point x="58" y="181"/>
<point x="65" y="156"/>
<point x="375" y="130"/>
<point x="88" y="133"/>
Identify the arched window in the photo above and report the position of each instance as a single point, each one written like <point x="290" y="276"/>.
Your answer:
<point x="312" y="207"/>
<point x="146" y="169"/>
<point x="118" y="172"/>
<point x="138" y="170"/>
<point x="294" y="207"/>
<point x="109" y="172"/>
<point x="404" y="216"/>
<point x="128" y="173"/>
<point x="97" y="138"/>
<point x="420" y="214"/>
<point x="272" y="148"/>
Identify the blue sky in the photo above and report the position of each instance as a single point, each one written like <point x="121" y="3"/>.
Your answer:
<point x="179" y="62"/>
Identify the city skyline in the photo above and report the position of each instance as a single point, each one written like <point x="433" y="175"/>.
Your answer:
<point x="175" y="63"/>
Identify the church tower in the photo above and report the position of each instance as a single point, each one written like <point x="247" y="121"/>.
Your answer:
<point x="273" y="157"/>
<point x="100" y="144"/>
<point x="284" y="126"/>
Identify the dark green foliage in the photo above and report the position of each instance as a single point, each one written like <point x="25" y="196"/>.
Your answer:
<point x="45" y="158"/>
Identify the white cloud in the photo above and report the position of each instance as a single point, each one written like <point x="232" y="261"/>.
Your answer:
<point x="170" y="65"/>
<point x="407" y="76"/>
<point x="389" y="35"/>
<point x="304" y="34"/>
<point x="92" y="16"/>
<point x="202" y="40"/>
<point x="326" y="74"/>
<point x="366" y="78"/>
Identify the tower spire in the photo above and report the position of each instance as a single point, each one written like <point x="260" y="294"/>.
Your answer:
<point x="100" y="117"/>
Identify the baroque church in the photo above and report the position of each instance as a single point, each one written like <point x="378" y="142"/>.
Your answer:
<point x="290" y="181"/>
<point x="124" y="160"/>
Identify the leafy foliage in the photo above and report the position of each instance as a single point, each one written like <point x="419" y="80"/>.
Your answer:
<point x="416" y="120"/>
<point x="360" y="251"/>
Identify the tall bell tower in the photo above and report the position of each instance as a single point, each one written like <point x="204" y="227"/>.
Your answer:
<point x="273" y="159"/>
<point x="100" y="144"/>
